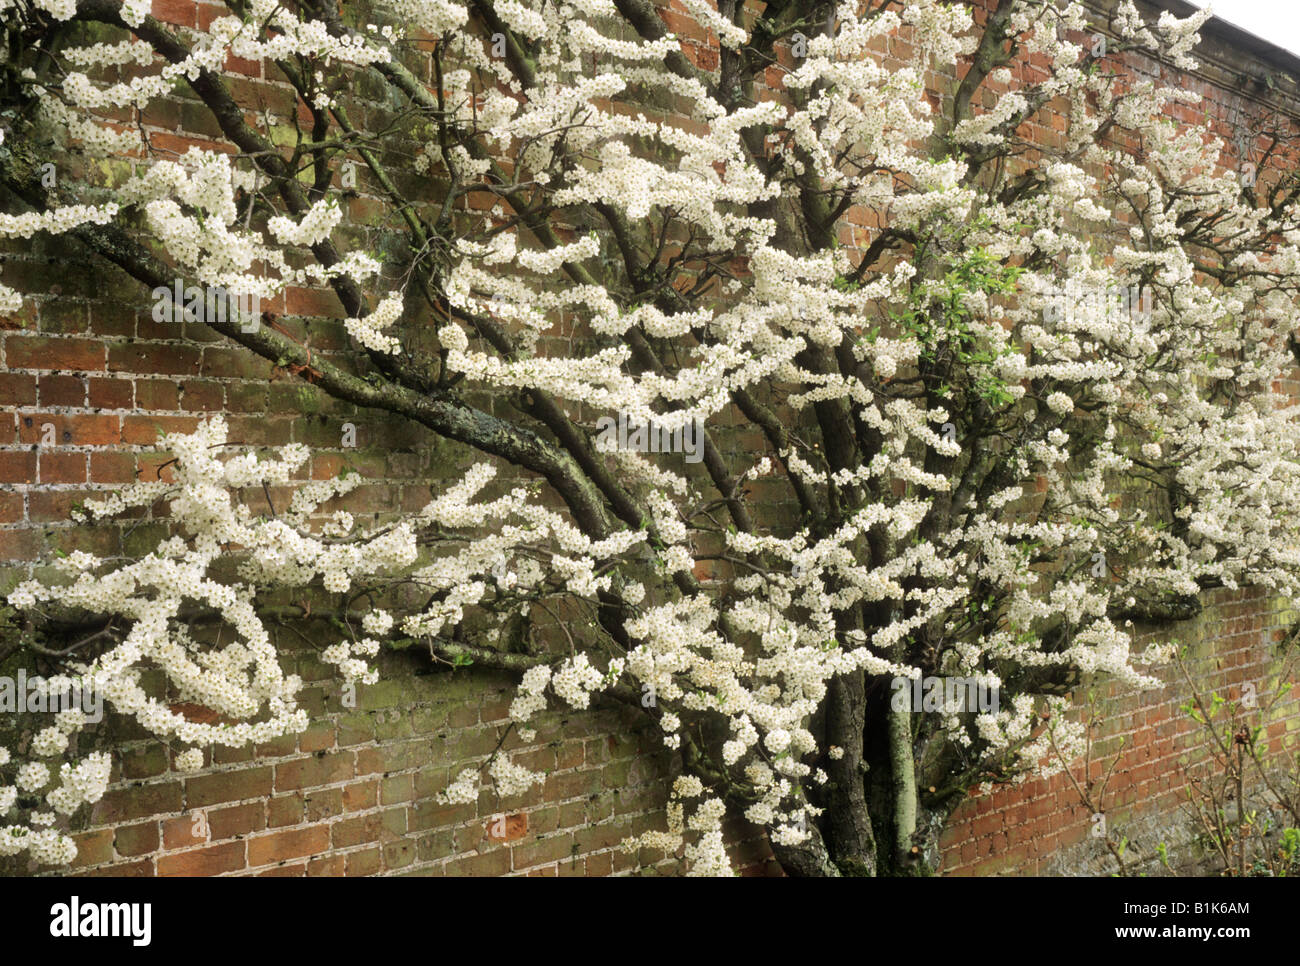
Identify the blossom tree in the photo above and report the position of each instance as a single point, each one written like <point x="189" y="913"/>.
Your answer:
<point x="972" y="402"/>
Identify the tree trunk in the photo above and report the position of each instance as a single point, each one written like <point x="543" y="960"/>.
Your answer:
<point x="852" y="842"/>
<point x="902" y="766"/>
<point x="808" y="859"/>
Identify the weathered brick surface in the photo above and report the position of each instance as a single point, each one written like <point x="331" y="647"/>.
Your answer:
<point x="87" y="379"/>
<point x="1040" y="827"/>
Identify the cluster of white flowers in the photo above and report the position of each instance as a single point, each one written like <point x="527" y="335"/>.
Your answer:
<point x="997" y="540"/>
<point x="56" y="220"/>
<point x="82" y="783"/>
<point x="313" y="227"/>
<point x="241" y="679"/>
<point x="370" y="330"/>
<point x="512" y="779"/>
<point x="463" y="790"/>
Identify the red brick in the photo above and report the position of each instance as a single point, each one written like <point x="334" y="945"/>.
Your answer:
<point x="328" y="865"/>
<point x="213" y="860"/>
<point x="112" y="319"/>
<point x="220" y="361"/>
<point x="157" y="394"/>
<point x="291" y="844"/>
<point x="200" y="396"/>
<point x="319" y="737"/>
<point x="314" y="771"/>
<point x="360" y="795"/>
<point x="11" y="507"/>
<point x="62" y="391"/>
<point x="51" y="505"/>
<point x="111" y="467"/>
<point x="237" y="820"/>
<point x="144" y="868"/>
<point x="81" y="429"/>
<point x="19" y="544"/>
<point x="136" y="801"/>
<point x="179" y="12"/>
<point x="17" y="466"/>
<point x="296" y="870"/>
<point x="284" y="810"/>
<point x="93" y="848"/>
<point x="111" y="393"/>
<point x="41" y="352"/>
<point x="62" y="467"/>
<point x="359" y="830"/>
<point x="144" y="430"/>
<point x="230" y="786"/>
<point x="366" y="862"/>
<point x="155" y="358"/>
<point x="132" y="840"/>
<point x="506" y="828"/>
<point x="185" y="830"/>
<point x="312" y="302"/>
<point x="17" y="389"/>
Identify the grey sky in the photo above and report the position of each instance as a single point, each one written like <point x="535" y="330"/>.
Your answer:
<point x="1277" y="21"/>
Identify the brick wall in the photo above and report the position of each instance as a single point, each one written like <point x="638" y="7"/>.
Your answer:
<point x="1042" y="828"/>
<point x="87" y="378"/>
<point x="355" y="793"/>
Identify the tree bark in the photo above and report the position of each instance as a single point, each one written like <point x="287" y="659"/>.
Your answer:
<point x="903" y="771"/>
<point x="852" y="841"/>
<point x="809" y="859"/>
